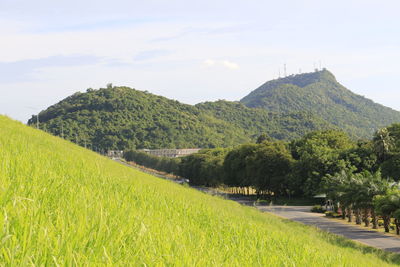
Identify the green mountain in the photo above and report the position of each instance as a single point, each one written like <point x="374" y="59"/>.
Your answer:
<point x="254" y="121"/>
<point x="320" y="93"/>
<point x="286" y="108"/>
<point x="121" y="118"/>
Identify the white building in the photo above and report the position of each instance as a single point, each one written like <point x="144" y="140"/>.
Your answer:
<point x="171" y="153"/>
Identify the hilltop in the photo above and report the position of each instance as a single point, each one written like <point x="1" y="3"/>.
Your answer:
<point x="122" y="117"/>
<point x="285" y="109"/>
<point x="320" y="93"/>
<point x="64" y="205"/>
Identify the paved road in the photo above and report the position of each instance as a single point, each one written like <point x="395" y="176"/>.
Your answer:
<point x="303" y="215"/>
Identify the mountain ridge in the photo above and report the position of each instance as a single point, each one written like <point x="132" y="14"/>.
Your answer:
<point x="320" y="93"/>
<point x="285" y="108"/>
<point x="122" y="117"/>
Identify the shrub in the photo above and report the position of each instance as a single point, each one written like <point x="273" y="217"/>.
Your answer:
<point x="332" y="214"/>
<point x="318" y="209"/>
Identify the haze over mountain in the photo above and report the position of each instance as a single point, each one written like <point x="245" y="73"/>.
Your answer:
<point x="319" y="93"/>
<point x="285" y="108"/>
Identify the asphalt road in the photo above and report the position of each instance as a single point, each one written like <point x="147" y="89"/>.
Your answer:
<point x="303" y="215"/>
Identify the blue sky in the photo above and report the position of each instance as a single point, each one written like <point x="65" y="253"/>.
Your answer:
<point x="191" y="51"/>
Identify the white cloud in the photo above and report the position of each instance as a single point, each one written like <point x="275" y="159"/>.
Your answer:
<point x="223" y="63"/>
<point x="230" y="65"/>
<point x="209" y="62"/>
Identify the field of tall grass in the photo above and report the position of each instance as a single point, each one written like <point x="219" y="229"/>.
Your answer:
<point x="63" y="205"/>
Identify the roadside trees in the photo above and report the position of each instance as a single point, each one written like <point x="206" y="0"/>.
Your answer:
<point x="269" y="167"/>
<point x="317" y="155"/>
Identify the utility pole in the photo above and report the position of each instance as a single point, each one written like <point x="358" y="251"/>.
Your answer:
<point x="62" y="130"/>
<point x="37" y="121"/>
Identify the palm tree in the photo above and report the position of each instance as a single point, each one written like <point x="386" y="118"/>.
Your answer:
<point x="335" y="187"/>
<point x="388" y="206"/>
<point x="372" y="185"/>
<point x="383" y="143"/>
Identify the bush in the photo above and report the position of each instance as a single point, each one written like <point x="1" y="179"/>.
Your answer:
<point x="318" y="209"/>
<point x="332" y="214"/>
<point x="164" y="164"/>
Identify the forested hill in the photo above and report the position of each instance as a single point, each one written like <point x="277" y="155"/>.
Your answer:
<point x="121" y="118"/>
<point x="254" y="121"/>
<point x="320" y="93"/>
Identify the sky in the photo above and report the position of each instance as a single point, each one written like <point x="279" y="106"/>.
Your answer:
<point x="191" y="51"/>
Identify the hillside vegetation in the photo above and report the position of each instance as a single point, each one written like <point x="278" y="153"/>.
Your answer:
<point x="123" y="118"/>
<point x="255" y="121"/>
<point x="320" y="93"/>
<point x="64" y="205"/>
<point x="285" y="109"/>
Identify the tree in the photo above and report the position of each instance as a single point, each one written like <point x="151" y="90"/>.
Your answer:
<point x="388" y="205"/>
<point x="355" y="193"/>
<point x="391" y="167"/>
<point x="362" y="157"/>
<point x="205" y="167"/>
<point x="235" y="169"/>
<point x="269" y="167"/>
<point x="263" y="137"/>
<point x="318" y="155"/>
<point x="383" y="143"/>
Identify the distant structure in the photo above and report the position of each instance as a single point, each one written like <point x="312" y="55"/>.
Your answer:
<point x="171" y="153"/>
<point x="284" y="70"/>
<point x="115" y="153"/>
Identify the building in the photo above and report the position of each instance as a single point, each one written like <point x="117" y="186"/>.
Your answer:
<point x="115" y="153"/>
<point x="171" y="153"/>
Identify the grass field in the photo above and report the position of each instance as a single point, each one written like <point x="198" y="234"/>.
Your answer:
<point x="64" y="205"/>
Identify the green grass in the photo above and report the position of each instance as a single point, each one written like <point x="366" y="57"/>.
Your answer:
<point x="63" y="205"/>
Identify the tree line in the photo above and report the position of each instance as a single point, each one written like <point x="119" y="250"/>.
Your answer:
<point x="277" y="168"/>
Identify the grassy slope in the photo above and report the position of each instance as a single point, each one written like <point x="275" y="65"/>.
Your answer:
<point x="61" y="204"/>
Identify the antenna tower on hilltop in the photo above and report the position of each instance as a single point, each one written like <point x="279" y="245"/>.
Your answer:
<point x="284" y="70"/>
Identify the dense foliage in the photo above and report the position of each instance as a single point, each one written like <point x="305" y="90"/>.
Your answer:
<point x="298" y="168"/>
<point x="254" y="121"/>
<point x="164" y="164"/>
<point x="124" y="118"/>
<point x="320" y="93"/>
<point x="272" y="167"/>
